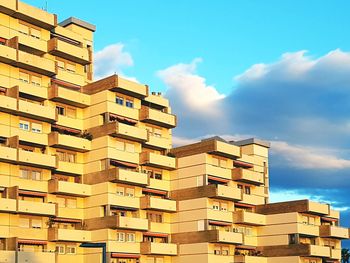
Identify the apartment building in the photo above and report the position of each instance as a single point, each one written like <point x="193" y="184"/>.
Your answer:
<point x="85" y="162"/>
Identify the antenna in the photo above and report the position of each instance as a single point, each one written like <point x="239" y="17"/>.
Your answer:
<point x="46" y="5"/>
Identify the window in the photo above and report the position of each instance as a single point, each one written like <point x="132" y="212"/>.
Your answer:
<point x="215" y="161"/>
<point x="66" y="156"/>
<point x="120" y="236"/>
<point x="217" y="250"/>
<point x="225" y="251"/>
<point x="71" y="250"/>
<point x="30" y="174"/>
<point x="119" y="100"/>
<point x="120" y="190"/>
<point x="66" y="65"/>
<point x="224" y="207"/>
<point x="125" y="146"/>
<point x="30" y="222"/>
<point x="60" y="110"/>
<point x="129" y="103"/>
<point x="216" y="205"/>
<point x="66" y="111"/>
<point x="66" y="202"/>
<point x="36" y="81"/>
<point x="293" y="238"/>
<point x="29" y="30"/>
<point x="129" y="192"/>
<point x="60" y="249"/>
<point x="24" y="77"/>
<point x="37" y="127"/>
<point x="155" y="217"/>
<point x="130" y="237"/>
<point x="24" y="125"/>
<point x="239" y="186"/>
<point x="247" y="190"/>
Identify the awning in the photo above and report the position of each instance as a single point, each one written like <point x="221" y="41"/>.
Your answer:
<point x="121" y="255"/>
<point x="218" y="179"/>
<point x="31" y="242"/>
<point x="154" y="191"/>
<point x="31" y="193"/>
<point x="329" y="219"/>
<point x="122" y="119"/>
<point x="244" y="205"/>
<point x="152" y="234"/>
<point x="126" y="164"/>
<point x="246" y="247"/>
<point x="243" y="164"/>
<point x="65" y="84"/>
<point x="219" y="223"/>
<point x="67" y="129"/>
<point x="66" y="220"/>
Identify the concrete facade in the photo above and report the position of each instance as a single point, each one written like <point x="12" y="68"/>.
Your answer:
<point x="84" y="161"/>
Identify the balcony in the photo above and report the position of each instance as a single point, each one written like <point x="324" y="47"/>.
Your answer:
<point x="318" y="208"/>
<point x="68" y="96"/>
<point x="69" y="142"/>
<point x="69" y="188"/>
<point x="319" y="251"/>
<point x="157" y="100"/>
<point x="227" y="192"/>
<point x="8" y="205"/>
<point x="69" y="122"/>
<point x="29" y="207"/>
<point x="243" y="217"/>
<point x="8" y="55"/>
<point x="70" y="77"/>
<point x="124" y="156"/>
<point x="336" y="254"/>
<point x="37" y="159"/>
<point x="249" y="259"/>
<point x="35" y="16"/>
<point x="7" y="256"/>
<point x="117" y="109"/>
<point x="37" y="257"/>
<point x="70" y="168"/>
<point x="68" y="51"/>
<point x="226" y="149"/>
<point x="153" y="203"/>
<point x="36" y="111"/>
<point x="247" y="176"/>
<point x="218" y="236"/>
<point x="118" y="84"/>
<point x="38" y="92"/>
<point x="8" y="7"/>
<point x="126" y="176"/>
<point x="8" y="154"/>
<point x="150" y="248"/>
<point x="252" y="199"/>
<point x="157" y="117"/>
<point x="7" y="104"/>
<point x="36" y="64"/>
<point x="33" y="138"/>
<point x="160" y="143"/>
<point x="334" y="232"/>
<point x="115" y="221"/>
<point x="123" y="201"/>
<point x="217" y="215"/>
<point x="157" y="160"/>
<point x="60" y="234"/>
<point x="125" y="131"/>
<point x="123" y="247"/>
<point x="36" y="46"/>
<point x="131" y="223"/>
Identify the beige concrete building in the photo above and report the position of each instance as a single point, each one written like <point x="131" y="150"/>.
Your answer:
<point x="85" y="161"/>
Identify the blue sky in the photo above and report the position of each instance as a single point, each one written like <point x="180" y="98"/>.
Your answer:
<point x="276" y="70"/>
<point x="229" y="36"/>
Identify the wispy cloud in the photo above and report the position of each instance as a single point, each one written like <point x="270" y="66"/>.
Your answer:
<point x="111" y="60"/>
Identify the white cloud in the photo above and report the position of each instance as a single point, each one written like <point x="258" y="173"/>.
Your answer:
<point x="189" y="90"/>
<point x="303" y="157"/>
<point x="111" y="60"/>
